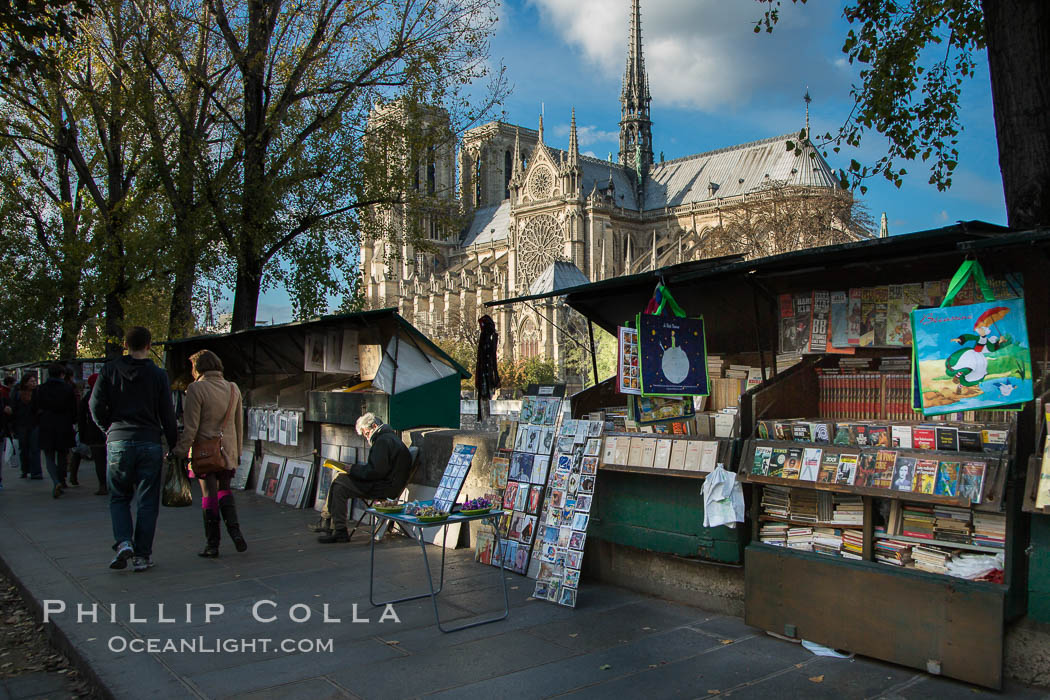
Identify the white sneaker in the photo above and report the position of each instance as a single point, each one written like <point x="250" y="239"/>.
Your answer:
<point x="141" y="563"/>
<point x="124" y="552"/>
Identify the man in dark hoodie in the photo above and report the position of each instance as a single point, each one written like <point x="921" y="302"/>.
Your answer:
<point x="131" y="401"/>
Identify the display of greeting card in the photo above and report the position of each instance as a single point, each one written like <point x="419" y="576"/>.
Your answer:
<point x="627" y="364"/>
<point x="452" y="480"/>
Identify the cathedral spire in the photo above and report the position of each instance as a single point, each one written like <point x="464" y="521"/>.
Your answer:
<point x="515" y="167"/>
<point x="574" y="147"/>
<point x="541" y="126"/>
<point x="636" y="136"/>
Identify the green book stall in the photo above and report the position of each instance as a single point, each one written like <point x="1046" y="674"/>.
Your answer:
<point x="306" y="383"/>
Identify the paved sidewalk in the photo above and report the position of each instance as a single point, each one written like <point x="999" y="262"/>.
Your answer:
<point x="614" y="644"/>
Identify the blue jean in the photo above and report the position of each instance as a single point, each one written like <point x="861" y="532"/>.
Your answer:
<point x="56" y="461"/>
<point x="134" y="468"/>
<point x="29" y="452"/>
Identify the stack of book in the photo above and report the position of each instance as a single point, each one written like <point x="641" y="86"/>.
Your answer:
<point x="930" y="559"/>
<point x="917" y="521"/>
<point x="893" y="552"/>
<point x="896" y="363"/>
<point x="849" y="510"/>
<point x="827" y="540"/>
<point x="989" y="529"/>
<point x="952" y="524"/>
<point x="825" y="507"/>
<point x="773" y="533"/>
<point x="714" y="366"/>
<point x="800" y="538"/>
<point x="775" y="501"/>
<point x="803" y="505"/>
<point x="852" y="544"/>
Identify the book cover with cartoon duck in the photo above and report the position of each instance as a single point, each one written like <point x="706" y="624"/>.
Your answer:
<point x="673" y="355"/>
<point x="973" y="357"/>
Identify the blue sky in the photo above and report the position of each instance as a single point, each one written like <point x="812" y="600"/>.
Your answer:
<point x="716" y="83"/>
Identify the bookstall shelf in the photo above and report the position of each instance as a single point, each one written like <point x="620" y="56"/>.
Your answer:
<point x="941" y="543"/>
<point x="818" y="578"/>
<point x="652" y="471"/>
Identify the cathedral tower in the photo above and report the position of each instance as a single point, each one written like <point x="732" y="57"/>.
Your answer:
<point x="636" y="129"/>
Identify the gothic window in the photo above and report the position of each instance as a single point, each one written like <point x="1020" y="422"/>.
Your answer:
<point x="477" y="180"/>
<point x="540" y="243"/>
<point x="431" y="171"/>
<point x="541" y="183"/>
<point x="528" y="339"/>
<point x="508" y="163"/>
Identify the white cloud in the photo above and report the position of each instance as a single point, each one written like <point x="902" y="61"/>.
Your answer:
<point x="588" y="135"/>
<point x="704" y="54"/>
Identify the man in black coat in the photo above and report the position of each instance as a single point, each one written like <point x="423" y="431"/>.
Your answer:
<point x="383" y="476"/>
<point x="55" y="405"/>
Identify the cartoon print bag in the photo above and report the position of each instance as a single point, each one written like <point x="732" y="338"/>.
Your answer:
<point x="974" y="356"/>
<point x="672" y="349"/>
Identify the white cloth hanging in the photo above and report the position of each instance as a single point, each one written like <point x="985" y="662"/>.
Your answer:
<point x="723" y="499"/>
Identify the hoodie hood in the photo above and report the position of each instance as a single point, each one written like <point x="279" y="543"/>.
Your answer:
<point x="130" y="368"/>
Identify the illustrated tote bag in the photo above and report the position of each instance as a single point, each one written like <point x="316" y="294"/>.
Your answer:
<point x="974" y="356"/>
<point x="672" y="350"/>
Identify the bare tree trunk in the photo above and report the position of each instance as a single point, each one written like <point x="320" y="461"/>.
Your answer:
<point x="1018" y="33"/>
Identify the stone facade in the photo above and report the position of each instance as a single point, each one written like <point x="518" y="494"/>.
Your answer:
<point x="531" y="204"/>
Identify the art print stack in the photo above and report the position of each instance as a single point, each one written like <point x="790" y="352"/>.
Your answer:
<point x="527" y="468"/>
<point x="563" y="525"/>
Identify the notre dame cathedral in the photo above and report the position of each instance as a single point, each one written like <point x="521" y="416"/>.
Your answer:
<point x="543" y="218"/>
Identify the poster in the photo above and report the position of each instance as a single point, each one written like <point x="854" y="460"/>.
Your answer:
<point x="292" y="487"/>
<point x="313" y="352"/>
<point x="672" y="356"/>
<point x="972" y="357"/>
<point x="269" y="476"/>
<point x="244" y="470"/>
<point x="627" y="366"/>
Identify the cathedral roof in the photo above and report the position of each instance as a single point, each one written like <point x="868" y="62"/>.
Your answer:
<point x="560" y="275"/>
<point x="734" y="171"/>
<point x="597" y="172"/>
<point x="489" y="224"/>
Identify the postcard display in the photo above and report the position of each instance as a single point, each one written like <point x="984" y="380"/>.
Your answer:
<point x="872" y="479"/>
<point x="520" y="471"/>
<point x="563" y="522"/>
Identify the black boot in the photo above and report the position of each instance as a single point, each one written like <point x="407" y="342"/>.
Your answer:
<point x="74" y="469"/>
<point x="334" y="536"/>
<point x="229" y="514"/>
<point x="211" y="534"/>
<point x="323" y="525"/>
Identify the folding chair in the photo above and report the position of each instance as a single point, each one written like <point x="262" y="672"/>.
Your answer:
<point x="394" y="492"/>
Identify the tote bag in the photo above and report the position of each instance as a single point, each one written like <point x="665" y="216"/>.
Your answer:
<point x="974" y="356"/>
<point x="672" y="350"/>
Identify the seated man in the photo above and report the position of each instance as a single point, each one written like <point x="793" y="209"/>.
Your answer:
<point x="386" y="471"/>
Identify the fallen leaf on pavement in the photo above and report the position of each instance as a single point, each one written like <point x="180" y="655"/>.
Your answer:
<point x="604" y="667"/>
<point x="727" y="641"/>
<point x="817" y="679"/>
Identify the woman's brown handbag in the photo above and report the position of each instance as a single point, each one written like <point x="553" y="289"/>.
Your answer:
<point x="206" y="454"/>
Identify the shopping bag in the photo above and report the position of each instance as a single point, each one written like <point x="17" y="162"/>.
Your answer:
<point x="973" y="356"/>
<point x="672" y="350"/>
<point x="176" y="492"/>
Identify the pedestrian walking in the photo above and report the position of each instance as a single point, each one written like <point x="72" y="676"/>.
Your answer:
<point x="131" y="401"/>
<point x="212" y="409"/>
<point x="92" y="440"/>
<point x="24" y="426"/>
<point x="55" y="405"/>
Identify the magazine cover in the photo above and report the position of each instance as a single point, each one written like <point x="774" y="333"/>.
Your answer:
<point x="972" y="357"/>
<point x="673" y="356"/>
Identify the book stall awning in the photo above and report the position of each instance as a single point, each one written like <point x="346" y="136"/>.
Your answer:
<point x="419" y="381"/>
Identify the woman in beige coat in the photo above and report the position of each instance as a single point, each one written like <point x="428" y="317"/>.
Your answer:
<point x="208" y="399"/>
